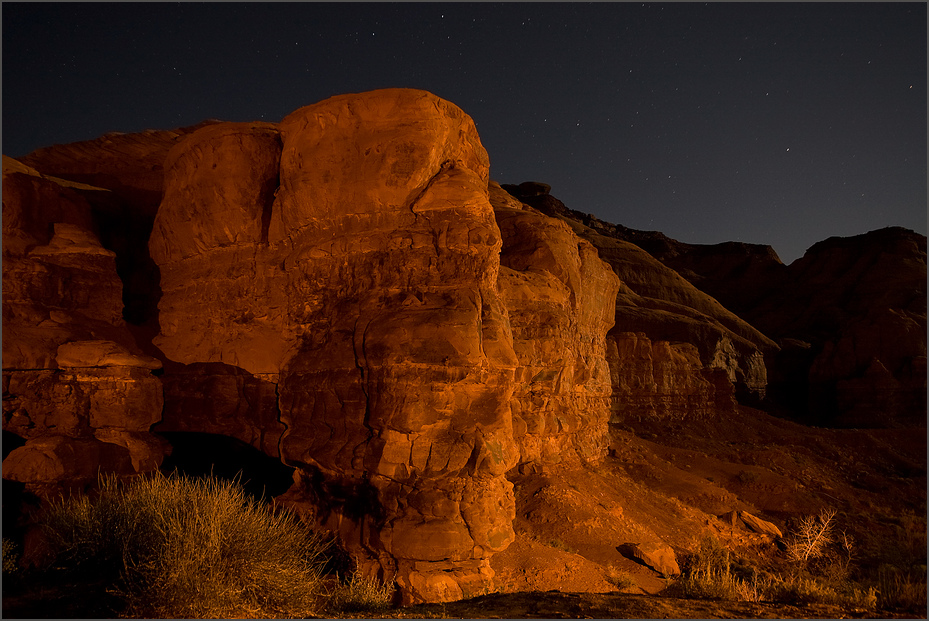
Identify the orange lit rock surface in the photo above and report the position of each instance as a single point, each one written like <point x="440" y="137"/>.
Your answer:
<point x="75" y="386"/>
<point x="559" y="297"/>
<point x="422" y="344"/>
<point x="367" y="284"/>
<point x="347" y="292"/>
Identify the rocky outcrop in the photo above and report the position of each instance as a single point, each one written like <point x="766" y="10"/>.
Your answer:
<point x="350" y="258"/>
<point x="347" y="292"/>
<point x="660" y="380"/>
<point x="130" y="166"/>
<point x="861" y="303"/>
<point x="744" y="519"/>
<point x="656" y="301"/>
<point x="559" y="299"/>
<point x="121" y="177"/>
<point x="850" y="315"/>
<point x="75" y="386"/>
<point x="335" y="290"/>
<point x="657" y="556"/>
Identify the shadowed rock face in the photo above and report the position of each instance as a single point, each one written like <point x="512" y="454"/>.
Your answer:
<point x="657" y="302"/>
<point x="75" y="386"/>
<point x="849" y="317"/>
<point x="860" y="302"/>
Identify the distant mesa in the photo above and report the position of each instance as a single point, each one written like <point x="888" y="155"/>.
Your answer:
<point x="841" y="330"/>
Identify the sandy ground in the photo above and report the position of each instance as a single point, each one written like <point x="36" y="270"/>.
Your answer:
<point x="668" y="483"/>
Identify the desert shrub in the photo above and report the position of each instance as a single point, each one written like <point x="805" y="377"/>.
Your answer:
<point x="558" y="544"/>
<point x="902" y="590"/>
<point x="620" y="579"/>
<point x="907" y="546"/>
<point x="800" y="590"/>
<point x="360" y="594"/>
<point x="189" y="548"/>
<point x="707" y="573"/>
<point x="811" y="538"/>
<point x="710" y="573"/>
<point x="10" y="557"/>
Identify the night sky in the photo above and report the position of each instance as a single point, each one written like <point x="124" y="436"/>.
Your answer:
<point x="778" y="123"/>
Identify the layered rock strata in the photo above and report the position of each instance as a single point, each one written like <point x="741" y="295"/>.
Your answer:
<point x="75" y="386"/>
<point x="559" y="297"/>
<point x="660" y="380"/>
<point x="849" y="316"/>
<point x="350" y="257"/>
<point x="674" y="351"/>
<point x="657" y="301"/>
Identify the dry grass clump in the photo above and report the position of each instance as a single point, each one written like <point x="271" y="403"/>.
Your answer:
<point x="902" y="589"/>
<point x="620" y="579"/>
<point x="189" y="548"/>
<point x="10" y="557"/>
<point x="360" y="594"/>
<point x="710" y="573"/>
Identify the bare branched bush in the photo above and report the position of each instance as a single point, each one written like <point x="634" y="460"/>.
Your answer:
<point x="811" y="538"/>
<point x="710" y="573"/>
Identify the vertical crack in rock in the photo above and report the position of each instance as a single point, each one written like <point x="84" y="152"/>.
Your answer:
<point x="280" y="420"/>
<point x="361" y="362"/>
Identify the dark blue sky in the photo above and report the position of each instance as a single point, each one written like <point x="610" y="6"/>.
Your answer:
<point x="772" y="123"/>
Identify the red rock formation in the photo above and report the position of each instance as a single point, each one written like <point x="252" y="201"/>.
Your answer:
<point x="674" y="351"/>
<point x="559" y="297"/>
<point x="659" y="380"/>
<point x="129" y="165"/>
<point x="366" y="285"/>
<point x="657" y="301"/>
<point x="848" y="308"/>
<point x="126" y="177"/>
<point x="347" y="292"/>
<point x="75" y="386"/>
